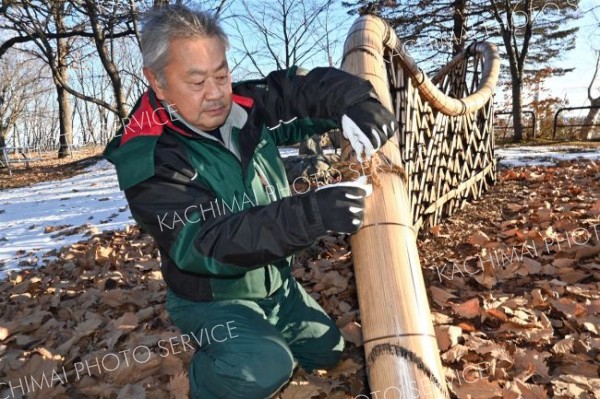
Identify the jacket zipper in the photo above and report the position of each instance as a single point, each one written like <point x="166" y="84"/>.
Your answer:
<point x="259" y="172"/>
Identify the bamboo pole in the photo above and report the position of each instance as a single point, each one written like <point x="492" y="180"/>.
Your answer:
<point x="401" y="349"/>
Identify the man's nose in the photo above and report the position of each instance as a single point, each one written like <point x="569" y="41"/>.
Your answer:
<point x="213" y="90"/>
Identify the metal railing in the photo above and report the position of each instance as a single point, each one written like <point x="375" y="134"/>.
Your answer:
<point x="555" y="125"/>
<point x="24" y="152"/>
<point x="505" y="128"/>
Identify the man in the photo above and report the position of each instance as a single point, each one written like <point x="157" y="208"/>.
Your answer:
<point x="199" y="165"/>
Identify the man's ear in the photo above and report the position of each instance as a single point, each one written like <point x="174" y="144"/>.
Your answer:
<point x="154" y="82"/>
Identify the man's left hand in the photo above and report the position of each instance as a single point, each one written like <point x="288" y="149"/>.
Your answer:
<point x="368" y="125"/>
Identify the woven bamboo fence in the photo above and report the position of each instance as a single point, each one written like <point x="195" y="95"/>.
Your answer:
<point x="442" y="157"/>
<point x="447" y="150"/>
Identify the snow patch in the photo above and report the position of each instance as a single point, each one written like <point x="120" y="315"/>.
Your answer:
<point x="92" y="197"/>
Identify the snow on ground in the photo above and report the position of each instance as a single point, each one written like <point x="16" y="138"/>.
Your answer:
<point x="93" y="200"/>
<point x="543" y="155"/>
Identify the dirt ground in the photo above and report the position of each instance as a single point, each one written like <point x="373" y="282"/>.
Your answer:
<point x="49" y="168"/>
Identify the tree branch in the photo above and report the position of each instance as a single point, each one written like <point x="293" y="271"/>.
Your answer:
<point x="39" y="35"/>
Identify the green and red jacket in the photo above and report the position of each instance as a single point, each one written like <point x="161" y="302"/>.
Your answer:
<point x="226" y="227"/>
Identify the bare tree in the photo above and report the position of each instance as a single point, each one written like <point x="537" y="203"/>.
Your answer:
<point x="519" y="27"/>
<point x="25" y="89"/>
<point x="60" y="72"/>
<point x="532" y="33"/>
<point x="282" y="33"/>
<point x="104" y="23"/>
<point x="18" y="78"/>
<point x="592" y="132"/>
<point x="55" y="28"/>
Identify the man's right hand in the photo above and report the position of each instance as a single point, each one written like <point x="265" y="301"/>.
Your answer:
<point x="342" y="207"/>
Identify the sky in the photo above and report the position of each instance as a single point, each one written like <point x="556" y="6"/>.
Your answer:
<point x="572" y="86"/>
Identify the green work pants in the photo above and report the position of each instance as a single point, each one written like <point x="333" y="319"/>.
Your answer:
<point x="249" y="348"/>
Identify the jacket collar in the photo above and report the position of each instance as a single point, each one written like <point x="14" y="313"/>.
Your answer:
<point x="150" y="117"/>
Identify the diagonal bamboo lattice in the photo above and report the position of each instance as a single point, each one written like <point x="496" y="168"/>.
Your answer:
<point x="447" y="151"/>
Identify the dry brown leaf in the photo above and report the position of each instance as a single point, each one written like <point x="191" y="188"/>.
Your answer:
<point x="479" y="238"/>
<point x="537" y="299"/>
<point x="563" y="262"/>
<point x="488" y="278"/>
<point x="532" y="266"/>
<point x="130" y="391"/>
<point x="332" y="283"/>
<point x="468" y="309"/>
<point x="584" y="252"/>
<point x="572" y="276"/>
<point x="6" y="331"/>
<point x="455" y="353"/>
<point x="497" y="314"/>
<point x="478" y="389"/>
<point x="352" y="332"/>
<point x="531" y="391"/>
<point x="440" y="296"/>
<point x="571" y="386"/>
<point x="564" y="345"/>
<point x="447" y="336"/>
<point x="118" y="297"/>
<point x="300" y="390"/>
<point x="435" y="230"/>
<point x="596" y="206"/>
<point x="568" y="307"/>
<point x="325" y="385"/>
<point x="515" y="207"/>
<point x="179" y="386"/>
<point x="346" y="367"/>
<point x="128" y="321"/>
<point x="531" y="359"/>
<point x="466" y="327"/>
<point x="103" y="253"/>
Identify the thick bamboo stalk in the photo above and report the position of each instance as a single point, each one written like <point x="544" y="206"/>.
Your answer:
<point x="401" y="349"/>
<point x="443" y="103"/>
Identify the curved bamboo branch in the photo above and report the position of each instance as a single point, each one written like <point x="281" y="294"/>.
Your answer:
<point x="456" y="106"/>
<point x="427" y="87"/>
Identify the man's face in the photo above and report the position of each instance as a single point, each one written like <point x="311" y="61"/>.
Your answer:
<point x="197" y="82"/>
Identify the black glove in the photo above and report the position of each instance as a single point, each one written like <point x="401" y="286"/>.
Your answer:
<point x="341" y="208"/>
<point x="368" y="125"/>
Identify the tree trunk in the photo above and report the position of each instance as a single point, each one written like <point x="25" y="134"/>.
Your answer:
<point x="591" y="132"/>
<point x="106" y="59"/>
<point x="64" y="120"/>
<point x="64" y="103"/>
<point x="460" y="26"/>
<point x="517" y="108"/>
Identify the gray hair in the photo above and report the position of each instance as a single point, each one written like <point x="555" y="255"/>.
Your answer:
<point x="161" y="25"/>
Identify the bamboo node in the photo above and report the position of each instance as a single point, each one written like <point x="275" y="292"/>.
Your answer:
<point x="396" y="350"/>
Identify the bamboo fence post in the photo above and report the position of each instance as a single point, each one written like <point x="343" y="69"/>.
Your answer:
<point x="400" y="345"/>
<point x="447" y="150"/>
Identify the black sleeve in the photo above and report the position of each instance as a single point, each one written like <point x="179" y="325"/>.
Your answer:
<point x="323" y="93"/>
<point x="182" y="216"/>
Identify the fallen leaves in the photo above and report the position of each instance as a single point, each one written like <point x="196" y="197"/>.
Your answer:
<point x="517" y="315"/>
<point x="530" y="306"/>
<point x="60" y="324"/>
